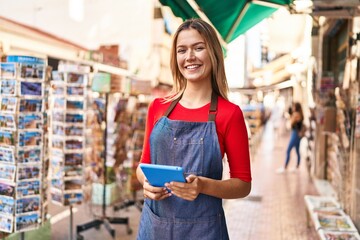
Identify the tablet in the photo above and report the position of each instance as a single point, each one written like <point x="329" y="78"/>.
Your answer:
<point x="158" y="175"/>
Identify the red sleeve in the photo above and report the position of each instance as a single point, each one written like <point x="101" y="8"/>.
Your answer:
<point x="237" y="146"/>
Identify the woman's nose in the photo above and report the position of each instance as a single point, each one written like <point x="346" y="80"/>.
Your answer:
<point x="190" y="55"/>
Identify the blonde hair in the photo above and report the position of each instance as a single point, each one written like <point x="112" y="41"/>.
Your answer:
<point x="213" y="46"/>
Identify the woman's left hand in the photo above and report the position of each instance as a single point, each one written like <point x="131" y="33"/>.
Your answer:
<point x="189" y="190"/>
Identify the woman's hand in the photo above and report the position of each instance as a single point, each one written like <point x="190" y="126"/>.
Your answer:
<point x="189" y="190"/>
<point x="155" y="193"/>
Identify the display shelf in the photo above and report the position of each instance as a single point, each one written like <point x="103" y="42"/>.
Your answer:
<point x="23" y="133"/>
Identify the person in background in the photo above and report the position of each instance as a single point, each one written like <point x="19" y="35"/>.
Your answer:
<point x="296" y="120"/>
<point x="194" y="127"/>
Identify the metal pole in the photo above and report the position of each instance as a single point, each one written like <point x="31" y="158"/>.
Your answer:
<point x="71" y="223"/>
<point x="22" y="236"/>
<point x="105" y="153"/>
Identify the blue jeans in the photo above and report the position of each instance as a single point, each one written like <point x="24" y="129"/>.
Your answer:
<point x="294" y="142"/>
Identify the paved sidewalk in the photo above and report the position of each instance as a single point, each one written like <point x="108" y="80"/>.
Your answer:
<point x="275" y="209"/>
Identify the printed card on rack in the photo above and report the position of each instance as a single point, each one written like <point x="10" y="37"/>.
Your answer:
<point x="73" y="130"/>
<point x="56" y="167"/>
<point x="7" y="155"/>
<point x="26" y="222"/>
<point x="28" y="188"/>
<point x="57" y="183"/>
<point x="8" y="104"/>
<point x="28" y="172"/>
<point x="57" y="143"/>
<point x="30" y="121"/>
<point x="28" y="204"/>
<point x="73" y="184"/>
<point x="73" y="197"/>
<point x="73" y="159"/>
<point x="75" y="90"/>
<point x="8" y="87"/>
<point x="7" y="138"/>
<point x="75" y="78"/>
<point x="56" y="196"/>
<point x="57" y="76"/>
<point x="74" y="118"/>
<point x="8" y="70"/>
<point x="7" y="121"/>
<point x="7" y="189"/>
<point x="75" y="104"/>
<point x="31" y="105"/>
<point x="6" y="223"/>
<point x="32" y="71"/>
<point x="58" y="129"/>
<point x="32" y="89"/>
<point x="7" y="205"/>
<point x="30" y="138"/>
<point x="74" y="144"/>
<point x="58" y="116"/>
<point x="7" y="172"/>
<point x="30" y="155"/>
<point x="73" y="171"/>
<point x="59" y="103"/>
<point x="337" y="235"/>
<point x="57" y="88"/>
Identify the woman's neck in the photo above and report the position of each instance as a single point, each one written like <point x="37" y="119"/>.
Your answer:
<point x="195" y="98"/>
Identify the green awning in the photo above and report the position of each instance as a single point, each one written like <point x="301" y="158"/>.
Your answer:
<point x="231" y="18"/>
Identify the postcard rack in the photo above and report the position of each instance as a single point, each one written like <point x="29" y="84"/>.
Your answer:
<point x="23" y="139"/>
<point x="67" y="127"/>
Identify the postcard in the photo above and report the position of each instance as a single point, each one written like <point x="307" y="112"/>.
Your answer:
<point x="7" y="138"/>
<point x="72" y="159"/>
<point x="58" y="129"/>
<point x="56" y="153"/>
<point x="75" y="90"/>
<point x="57" y="183"/>
<point x="31" y="105"/>
<point x="8" y="70"/>
<point x="30" y="155"/>
<point x="337" y="235"/>
<point x="74" y="118"/>
<point x="7" y="205"/>
<point x="59" y="103"/>
<point x="7" y="189"/>
<point x="57" y="143"/>
<point x="58" y="116"/>
<point x="31" y="89"/>
<point x="32" y="71"/>
<point x="27" y="188"/>
<point x="7" y="121"/>
<point x="7" y="172"/>
<point x="7" y="155"/>
<point x="74" y="144"/>
<point x="30" y="138"/>
<point x="73" y="171"/>
<point x="8" y="87"/>
<point x="57" y="88"/>
<point x="56" y="196"/>
<point x="28" y="172"/>
<point x="75" y="78"/>
<point x="9" y="104"/>
<point x="28" y="204"/>
<point x="71" y="130"/>
<point x="30" y="120"/>
<point x="26" y="222"/>
<point x="6" y="223"/>
<point x="56" y="167"/>
<point x="75" y="104"/>
<point x="57" y="76"/>
<point x="73" y="184"/>
<point x="73" y="197"/>
<point x="336" y="223"/>
<point x="315" y="202"/>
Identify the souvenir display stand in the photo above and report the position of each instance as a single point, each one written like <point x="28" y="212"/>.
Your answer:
<point x="67" y="141"/>
<point x="101" y="83"/>
<point x="23" y="138"/>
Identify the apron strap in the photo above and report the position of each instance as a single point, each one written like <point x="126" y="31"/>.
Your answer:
<point x="213" y="107"/>
<point x="212" y="111"/>
<point x="172" y="105"/>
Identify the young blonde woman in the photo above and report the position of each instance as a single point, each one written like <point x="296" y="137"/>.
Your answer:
<point x="194" y="127"/>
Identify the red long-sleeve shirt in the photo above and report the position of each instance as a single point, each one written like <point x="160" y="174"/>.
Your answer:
<point x="230" y="128"/>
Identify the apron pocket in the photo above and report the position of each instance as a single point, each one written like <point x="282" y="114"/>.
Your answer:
<point x="189" y="153"/>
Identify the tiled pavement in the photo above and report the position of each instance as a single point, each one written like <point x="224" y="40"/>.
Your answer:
<point x="274" y="210"/>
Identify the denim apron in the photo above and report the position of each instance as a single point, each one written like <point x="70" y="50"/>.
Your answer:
<point x="195" y="147"/>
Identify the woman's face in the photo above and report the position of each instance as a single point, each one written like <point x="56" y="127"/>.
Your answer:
<point x="192" y="56"/>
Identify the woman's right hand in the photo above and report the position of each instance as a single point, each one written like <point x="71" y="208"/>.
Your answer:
<point x="155" y="193"/>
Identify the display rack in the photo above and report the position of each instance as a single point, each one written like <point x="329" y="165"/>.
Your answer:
<point x="101" y="83"/>
<point x="23" y="136"/>
<point x="67" y="108"/>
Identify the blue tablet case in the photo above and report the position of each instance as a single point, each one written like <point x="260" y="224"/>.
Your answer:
<point x="158" y="175"/>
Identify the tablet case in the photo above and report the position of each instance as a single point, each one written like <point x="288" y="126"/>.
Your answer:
<point x="158" y="175"/>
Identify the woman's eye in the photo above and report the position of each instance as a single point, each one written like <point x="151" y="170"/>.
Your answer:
<point x="199" y="48"/>
<point x="181" y="50"/>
